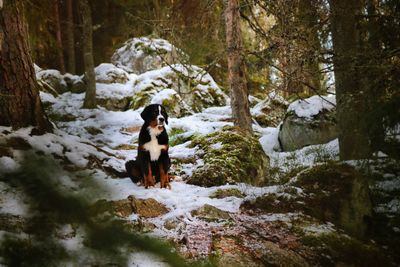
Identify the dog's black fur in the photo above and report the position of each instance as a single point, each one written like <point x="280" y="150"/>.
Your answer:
<point x="154" y="117"/>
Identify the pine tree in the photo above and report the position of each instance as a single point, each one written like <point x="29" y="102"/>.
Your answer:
<point x="350" y="95"/>
<point x="237" y="68"/>
<point x="87" y="39"/>
<point x="20" y="104"/>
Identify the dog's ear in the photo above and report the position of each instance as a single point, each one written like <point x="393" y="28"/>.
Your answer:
<point x="165" y="115"/>
<point x="145" y="113"/>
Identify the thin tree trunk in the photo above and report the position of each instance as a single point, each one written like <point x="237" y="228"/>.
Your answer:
<point x="20" y="104"/>
<point x="60" y="55"/>
<point x="70" y="40"/>
<point x="87" y="39"/>
<point x="237" y="68"/>
<point x="350" y="96"/>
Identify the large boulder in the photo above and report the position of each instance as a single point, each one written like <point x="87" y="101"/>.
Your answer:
<point x="270" y="111"/>
<point x="195" y="89"/>
<point x="139" y="55"/>
<point x="308" y="122"/>
<point x="337" y="193"/>
<point x="229" y="156"/>
<point x="54" y="79"/>
<point x="108" y="73"/>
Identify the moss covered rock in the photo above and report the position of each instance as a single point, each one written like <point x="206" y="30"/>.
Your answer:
<point x="231" y="192"/>
<point x="270" y="111"/>
<point x="210" y="213"/>
<point x="183" y="89"/>
<point x="337" y="193"/>
<point x="139" y="55"/>
<point x="230" y="156"/>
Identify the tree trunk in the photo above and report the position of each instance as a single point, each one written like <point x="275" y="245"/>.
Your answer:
<point x="87" y="32"/>
<point x="20" y="104"/>
<point x="237" y="68"/>
<point x="60" y="55"/>
<point x="373" y="77"/>
<point x="350" y="96"/>
<point x="308" y="17"/>
<point x="70" y="40"/>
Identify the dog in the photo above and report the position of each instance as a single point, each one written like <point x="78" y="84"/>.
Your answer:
<point x="152" y="163"/>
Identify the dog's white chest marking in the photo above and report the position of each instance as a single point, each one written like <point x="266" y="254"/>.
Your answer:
<point x="153" y="147"/>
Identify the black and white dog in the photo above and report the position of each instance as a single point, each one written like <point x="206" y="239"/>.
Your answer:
<point x="153" y="162"/>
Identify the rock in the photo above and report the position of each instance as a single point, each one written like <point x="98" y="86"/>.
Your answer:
<point x="276" y="256"/>
<point x="231" y="192"/>
<point x="139" y="55"/>
<point x="75" y="83"/>
<point x="229" y="253"/>
<point x="108" y="73"/>
<point x="13" y="223"/>
<point x="335" y="249"/>
<point x="184" y="89"/>
<point x="270" y="111"/>
<point x="147" y="208"/>
<point x="54" y="79"/>
<point x="210" y="213"/>
<point x="337" y="193"/>
<point x="171" y="224"/>
<point x="230" y="156"/>
<point x="122" y="208"/>
<point x="114" y="103"/>
<point x="308" y="122"/>
<point x="93" y="130"/>
<point x="169" y="98"/>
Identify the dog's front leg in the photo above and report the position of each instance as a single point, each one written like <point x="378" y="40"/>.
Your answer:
<point x="164" y="179"/>
<point x="149" y="179"/>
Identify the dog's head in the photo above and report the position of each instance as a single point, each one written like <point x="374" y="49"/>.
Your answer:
<point x="155" y="115"/>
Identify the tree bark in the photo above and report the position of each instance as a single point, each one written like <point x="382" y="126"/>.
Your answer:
<point x="20" y="104"/>
<point x="237" y="68"/>
<point x="309" y="20"/>
<point x="373" y="77"/>
<point x="87" y="39"/>
<point x="70" y="39"/>
<point x="350" y="96"/>
<point x="60" y="54"/>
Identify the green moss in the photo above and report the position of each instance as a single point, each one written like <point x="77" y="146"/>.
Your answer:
<point x="177" y="136"/>
<point x="230" y="156"/>
<point x="273" y="203"/>
<point x="231" y="192"/>
<point x="333" y="248"/>
<point x="337" y="193"/>
<point x="93" y="130"/>
<point x="61" y="117"/>
<point x="142" y="98"/>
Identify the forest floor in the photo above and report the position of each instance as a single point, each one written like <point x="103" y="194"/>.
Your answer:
<point x="213" y="224"/>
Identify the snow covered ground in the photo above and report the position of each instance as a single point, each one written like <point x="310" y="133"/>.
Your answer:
<point x="114" y="141"/>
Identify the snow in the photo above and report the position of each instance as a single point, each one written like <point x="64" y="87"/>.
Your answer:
<point x="8" y="165"/>
<point x="107" y="72"/>
<point x="162" y="95"/>
<point x="12" y="201"/>
<point x="309" y="107"/>
<point x="43" y="74"/>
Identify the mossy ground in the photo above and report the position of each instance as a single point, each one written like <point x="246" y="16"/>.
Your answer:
<point x="334" y="248"/>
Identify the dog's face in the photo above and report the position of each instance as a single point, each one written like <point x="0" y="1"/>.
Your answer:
<point x="155" y="115"/>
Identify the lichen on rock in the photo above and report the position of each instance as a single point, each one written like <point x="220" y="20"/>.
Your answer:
<point x="237" y="158"/>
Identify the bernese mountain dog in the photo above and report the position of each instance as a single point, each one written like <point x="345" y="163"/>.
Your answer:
<point x="152" y="162"/>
